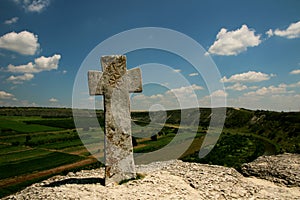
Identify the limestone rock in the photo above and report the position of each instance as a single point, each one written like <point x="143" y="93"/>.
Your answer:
<point x="172" y="179"/>
<point x="282" y="169"/>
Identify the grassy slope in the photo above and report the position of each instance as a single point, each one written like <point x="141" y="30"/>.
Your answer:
<point x="27" y="147"/>
<point x="35" y="163"/>
<point x="17" y="124"/>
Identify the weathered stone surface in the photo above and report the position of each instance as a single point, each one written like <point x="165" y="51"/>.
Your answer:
<point x="163" y="180"/>
<point x="282" y="169"/>
<point x="115" y="82"/>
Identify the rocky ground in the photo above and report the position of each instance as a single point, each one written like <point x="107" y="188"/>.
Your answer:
<point x="283" y="169"/>
<point x="277" y="177"/>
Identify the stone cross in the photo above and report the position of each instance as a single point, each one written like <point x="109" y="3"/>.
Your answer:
<point x="114" y="83"/>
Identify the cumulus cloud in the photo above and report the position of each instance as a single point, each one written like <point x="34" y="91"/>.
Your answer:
<point x="293" y="31"/>
<point x="237" y="87"/>
<point x="294" y="85"/>
<point x="53" y="100"/>
<point x="185" y="91"/>
<point x="40" y="64"/>
<point x="33" y="5"/>
<point x="253" y="87"/>
<point x="11" y="21"/>
<point x="234" y="42"/>
<point x="6" y="95"/>
<point x="194" y="74"/>
<point x="47" y="63"/>
<point x="25" y="42"/>
<point x="216" y="99"/>
<point x="296" y="71"/>
<point x="270" y="33"/>
<point x="281" y="89"/>
<point x="250" y="76"/>
<point x="219" y="93"/>
<point x="177" y="70"/>
<point x="20" y="79"/>
<point x="181" y="97"/>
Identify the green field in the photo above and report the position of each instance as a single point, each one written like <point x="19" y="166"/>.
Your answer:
<point x="31" y="144"/>
<point x="6" y="149"/>
<point x="35" y="163"/>
<point x="22" y="155"/>
<point x="11" y="125"/>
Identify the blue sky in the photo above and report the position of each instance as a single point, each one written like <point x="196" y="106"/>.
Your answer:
<point x="254" y="44"/>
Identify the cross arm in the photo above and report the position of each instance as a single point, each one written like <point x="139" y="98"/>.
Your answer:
<point x="134" y="80"/>
<point x="94" y="80"/>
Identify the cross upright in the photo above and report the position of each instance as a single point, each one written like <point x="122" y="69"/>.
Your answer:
<point x="115" y="83"/>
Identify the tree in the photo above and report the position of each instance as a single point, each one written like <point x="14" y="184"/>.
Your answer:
<point x="154" y="137"/>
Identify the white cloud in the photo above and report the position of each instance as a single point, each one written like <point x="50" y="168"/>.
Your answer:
<point x="296" y="71"/>
<point x="156" y="96"/>
<point x="253" y="87"/>
<point x="215" y="99"/>
<point x="47" y="63"/>
<point x="20" y="79"/>
<point x="194" y="74"/>
<point x="138" y="97"/>
<point x="277" y="102"/>
<point x="28" y="68"/>
<point x="53" y="100"/>
<point x="6" y="95"/>
<point x="219" y="93"/>
<point x="64" y="71"/>
<point x="11" y="21"/>
<point x="177" y="70"/>
<point x="185" y="91"/>
<point x="250" y="76"/>
<point x="20" y="103"/>
<point x="33" y="5"/>
<point x="294" y="85"/>
<point x="234" y="42"/>
<point x="271" y="90"/>
<point x="237" y="87"/>
<point x="37" y="5"/>
<point x="270" y="33"/>
<point x="25" y="43"/>
<point x="183" y="97"/>
<point x="40" y="64"/>
<point x="293" y="31"/>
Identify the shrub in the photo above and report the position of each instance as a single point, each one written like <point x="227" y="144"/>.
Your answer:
<point x="154" y="137"/>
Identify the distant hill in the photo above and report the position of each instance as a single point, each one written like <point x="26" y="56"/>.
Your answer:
<point x="282" y="128"/>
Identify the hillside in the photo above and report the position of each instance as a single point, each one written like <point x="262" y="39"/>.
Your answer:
<point x="282" y="129"/>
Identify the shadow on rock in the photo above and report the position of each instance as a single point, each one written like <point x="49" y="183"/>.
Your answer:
<point x="76" y="181"/>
